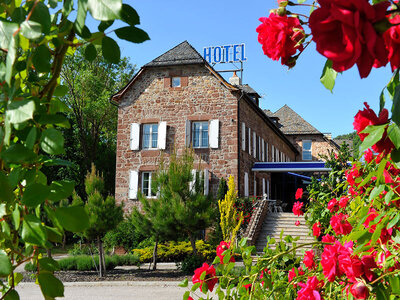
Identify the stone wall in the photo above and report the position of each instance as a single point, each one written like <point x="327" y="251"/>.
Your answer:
<point x="319" y="145"/>
<point x="150" y="99"/>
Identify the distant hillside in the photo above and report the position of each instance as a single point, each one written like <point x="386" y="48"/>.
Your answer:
<point x="352" y="139"/>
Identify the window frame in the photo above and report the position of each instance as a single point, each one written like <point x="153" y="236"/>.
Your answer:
<point x="172" y="81"/>
<point x="150" y="136"/>
<point x="306" y="151"/>
<point x="149" y="192"/>
<point x="201" y="132"/>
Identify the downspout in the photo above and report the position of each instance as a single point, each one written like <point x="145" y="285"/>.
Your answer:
<point x="238" y="144"/>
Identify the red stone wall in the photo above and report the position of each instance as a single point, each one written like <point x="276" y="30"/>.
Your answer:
<point x="151" y="99"/>
<point x="255" y="122"/>
<point x="319" y="145"/>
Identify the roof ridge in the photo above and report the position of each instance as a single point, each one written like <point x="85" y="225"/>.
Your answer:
<point x="291" y="126"/>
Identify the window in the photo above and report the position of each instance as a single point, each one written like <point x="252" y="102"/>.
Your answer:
<point x="150" y="136"/>
<point x="175" y="82"/>
<point x="200" y="134"/>
<point x="307" y="150"/>
<point x="146" y="185"/>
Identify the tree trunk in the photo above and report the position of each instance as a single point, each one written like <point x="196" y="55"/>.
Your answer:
<point x="64" y="242"/>
<point x="155" y="256"/>
<point x="103" y="257"/>
<point x="193" y="243"/>
<point x="48" y="252"/>
<point x="100" y="258"/>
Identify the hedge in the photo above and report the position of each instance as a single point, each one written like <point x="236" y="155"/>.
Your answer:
<point x="175" y="252"/>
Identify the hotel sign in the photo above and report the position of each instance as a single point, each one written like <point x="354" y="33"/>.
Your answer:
<point x="225" y="54"/>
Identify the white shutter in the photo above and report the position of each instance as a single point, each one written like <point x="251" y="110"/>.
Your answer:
<point x="246" y="184"/>
<point x="133" y="184"/>
<point x="214" y="134"/>
<point x="162" y="135"/>
<point x="255" y="186"/>
<point x="268" y="195"/>
<point x="273" y="152"/>
<point x="135" y="136"/>
<point x="249" y="141"/>
<point x="263" y="187"/>
<point x="259" y="147"/>
<point x="262" y="150"/>
<point x="187" y="133"/>
<point x="254" y="144"/>
<point x="243" y="136"/>
<point x="206" y="181"/>
<point x="266" y="151"/>
<point x="191" y="183"/>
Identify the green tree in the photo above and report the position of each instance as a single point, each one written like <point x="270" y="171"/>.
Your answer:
<point x="35" y="38"/>
<point x="180" y="207"/>
<point x="104" y="214"/>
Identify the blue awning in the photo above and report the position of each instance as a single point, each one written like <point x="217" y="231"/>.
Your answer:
<point x="290" y="167"/>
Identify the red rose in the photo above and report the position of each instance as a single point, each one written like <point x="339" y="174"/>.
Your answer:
<point x="310" y="290"/>
<point x="359" y="290"/>
<point x="368" y="155"/>
<point x="328" y="239"/>
<point x="343" y="202"/>
<point x="279" y="36"/>
<point x="344" y="33"/>
<point x="340" y="224"/>
<point x="392" y="40"/>
<point x="221" y="248"/>
<point x="316" y="229"/>
<point x="210" y="279"/>
<point x="368" y="117"/>
<point x="297" y="223"/>
<point x="309" y="259"/>
<point x="329" y="261"/>
<point x="299" y="194"/>
<point x="297" y="208"/>
<point x="332" y="205"/>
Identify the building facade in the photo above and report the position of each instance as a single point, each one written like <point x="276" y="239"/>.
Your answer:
<point x="177" y="101"/>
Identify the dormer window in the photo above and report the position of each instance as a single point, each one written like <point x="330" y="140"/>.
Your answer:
<point x="175" y="82"/>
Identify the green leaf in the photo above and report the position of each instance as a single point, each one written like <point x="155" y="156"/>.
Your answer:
<point x="54" y="235"/>
<point x="129" y="15"/>
<point x="40" y="14"/>
<point x="33" y="231"/>
<point x="111" y="51"/>
<point x="5" y="264"/>
<point x="388" y="197"/>
<point x="68" y="5"/>
<point x="203" y="275"/>
<point x="12" y="295"/>
<point x="17" y="153"/>
<point x="104" y="25"/>
<point x="105" y="10"/>
<point x="52" y="141"/>
<point x="81" y="15"/>
<point x="20" y="111"/>
<point x="382" y="99"/>
<point x="17" y="278"/>
<point x="394" y="221"/>
<point x="35" y="194"/>
<point x="372" y="138"/>
<point x="396" y="106"/>
<point x="16" y="217"/>
<point x="41" y="59"/>
<point x="61" y="90"/>
<point x="7" y="30"/>
<point x="394" y="81"/>
<point x="73" y="218"/>
<point x="31" y="30"/>
<point x="58" y="162"/>
<point x="31" y="138"/>
<point x="48" y="264"/>
<point x="394" y="134"/>
<point x="186" y="295"/>
<point x="90" y="52"/>
<point x="216" y="260"/>
<point x="184" y="283"/>
<point x="132" y="34"/>
<point x="376" y="191"/>
<point x="6" y="193"/>
<point x="395" y="155"/>
<point x="394" y="283"/>
<point x="60" y="190"/>
<point x="195" y="286"/>
<point x="11" y="55"/>
<point x="328" y="76"/>
<point x="50" y="285"/>
<point x="377" y="232"/>
<point x="56" y="119"/>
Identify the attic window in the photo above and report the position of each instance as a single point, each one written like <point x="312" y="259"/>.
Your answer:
<point x="175" y="82"/>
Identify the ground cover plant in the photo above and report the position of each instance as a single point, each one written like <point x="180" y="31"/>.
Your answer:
<point x="355" y="211"/>
<point x="35" y="38"/>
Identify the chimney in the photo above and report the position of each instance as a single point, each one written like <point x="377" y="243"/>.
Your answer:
<point x="234" y="80"/>
<point x="328" y="135"/>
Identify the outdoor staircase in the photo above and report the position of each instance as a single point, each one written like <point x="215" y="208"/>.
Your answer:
<point x="274" y="223"/>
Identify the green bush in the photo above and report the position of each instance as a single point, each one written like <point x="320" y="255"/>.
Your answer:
<point x="83" y="249"/>
<point x="176" y="252"/>
<point x="85" y="262"/>
<point x="123" y="235"/>
<point x="190" y="263"/>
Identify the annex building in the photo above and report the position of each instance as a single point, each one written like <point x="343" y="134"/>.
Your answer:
<point x="177" y="101"/>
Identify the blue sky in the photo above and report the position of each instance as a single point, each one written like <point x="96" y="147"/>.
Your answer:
<point x="213" y="23"/>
